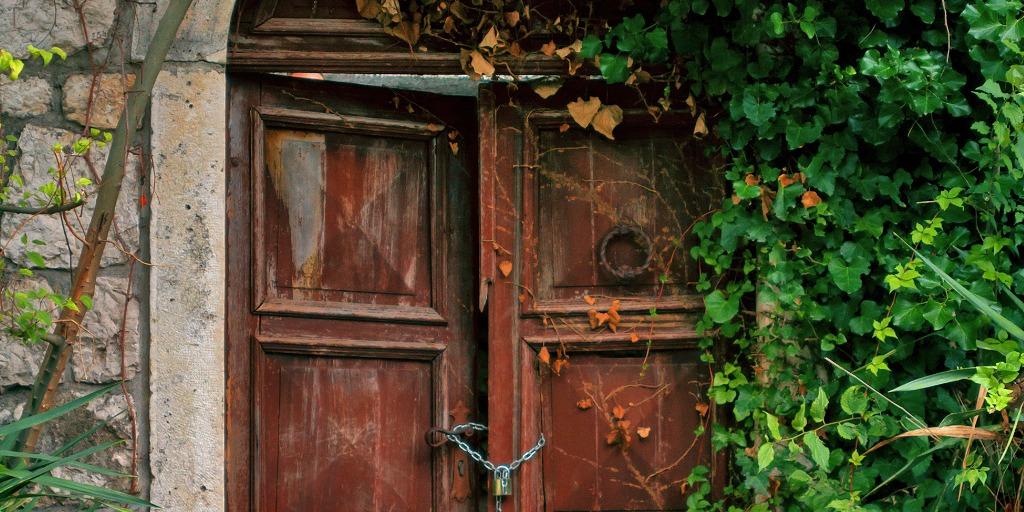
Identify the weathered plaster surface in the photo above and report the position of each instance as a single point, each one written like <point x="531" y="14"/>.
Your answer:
<point x="202" y="37"/>
<point x="187" y="289"/>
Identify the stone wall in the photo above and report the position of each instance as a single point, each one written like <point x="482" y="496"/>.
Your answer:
<point x="59" y="103"/>
<point x="171" y="217"/>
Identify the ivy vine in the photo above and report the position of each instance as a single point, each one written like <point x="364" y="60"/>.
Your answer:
<point x="876" y="158"/>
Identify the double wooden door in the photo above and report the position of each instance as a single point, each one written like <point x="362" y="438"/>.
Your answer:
<point x="401" y="261"/>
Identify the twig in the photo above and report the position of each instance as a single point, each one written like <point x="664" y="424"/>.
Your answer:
<point x="30" y="210"/>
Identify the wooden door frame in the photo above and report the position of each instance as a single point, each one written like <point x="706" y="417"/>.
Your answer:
<point x="499" y="235"/>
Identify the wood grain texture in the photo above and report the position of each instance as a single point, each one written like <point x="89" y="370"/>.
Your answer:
<point x="646" y="474"/>
<point x="350" y="217"/>
<point x="550" y="196"/>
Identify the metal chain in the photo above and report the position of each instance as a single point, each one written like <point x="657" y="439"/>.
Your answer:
<point x="502" y="472"/>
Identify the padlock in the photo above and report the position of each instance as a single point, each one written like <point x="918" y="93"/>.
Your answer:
<point x="501" y="486"/>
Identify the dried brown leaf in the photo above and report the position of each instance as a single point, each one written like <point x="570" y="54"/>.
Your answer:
<point x="955" y="431"/>
<point x="460" y="11"/>
<point x="405" y="30"/>
<point x="618" y="412"/>
<point x="702" y="408"/>
<point x="391" y="7"/>
<point x="589" y="300"/>
<point x="505" y="267"/>
<point x="583" y="112"/>
<point x="368" y="8"/>
<point x="692" y="103"/>
<point x="546" y="88"/>
<point x="607" y="119"/>
<point x="544" y="356"/>
<point x="700" y="128"/>
<point x="512" y="18"/>
<point x="559" y="364"/>
<point x="584" y="404"/>
<point x="643" y="432"/>
<point x="810" y="199"/>
<point x="548" y="48"/>
<point x="490" y="40"/>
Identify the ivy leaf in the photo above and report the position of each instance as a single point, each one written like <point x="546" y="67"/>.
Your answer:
<point x="591" y="46"/>
<point x="938" y="314"/>
<point x="853" y="401"/>
<point x="819" y="452"/>
<point x="721" y="309"/>
<point x="614" y="68"/>
<point x="36" y="259"/>
<point x="924" y="9"/>
<point x="847" y="276"/>
<point x="886" y="10"/>
<point x="765" y="456"/>
<point x="819" y="406"/>
<point x="800" y="420"/>
<point x="775" y="22"/>
<point x="798" y="134"/>
<point x="983" y="23"/>
<point x="757" y="109"/>
<point x="772" y="422"/>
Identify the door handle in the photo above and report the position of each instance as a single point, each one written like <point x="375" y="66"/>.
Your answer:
<point x="437" y="437"/>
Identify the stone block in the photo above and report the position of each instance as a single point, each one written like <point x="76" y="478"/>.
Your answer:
<point x="53" y="23"/>
<point x="25" y="97"/>
<point x="107" y="98"/>
<point x="97" y="355"/>
<point x="36" y="158"/>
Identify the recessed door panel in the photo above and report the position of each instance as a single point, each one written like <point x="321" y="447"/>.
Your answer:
<point x="345" y="218"/>
<point x="614" y="436"/>
<point x="331" y="420"/>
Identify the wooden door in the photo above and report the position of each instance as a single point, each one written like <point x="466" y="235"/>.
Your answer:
<point x="591" y="306"/>
<point x="350" y="295"/>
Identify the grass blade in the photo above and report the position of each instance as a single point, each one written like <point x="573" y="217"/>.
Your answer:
<point x="979" y="303"/>
<point x="56" y="412"/>
<point x="93" y="491"/>
<point x="936" y="379"/>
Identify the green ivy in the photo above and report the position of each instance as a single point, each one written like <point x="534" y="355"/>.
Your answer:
<point x="848" y="128"/>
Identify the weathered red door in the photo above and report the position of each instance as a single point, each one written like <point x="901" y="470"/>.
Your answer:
<point x="350" y="286"/>
<point x="591" y="305"/>
<point x="358" y="269"/>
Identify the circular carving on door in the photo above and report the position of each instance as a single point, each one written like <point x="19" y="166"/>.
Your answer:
<point x="625" y="233"/>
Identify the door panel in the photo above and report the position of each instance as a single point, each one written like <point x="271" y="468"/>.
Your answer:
<point x="354" y="335"/>
<point x="582" y="238"/>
